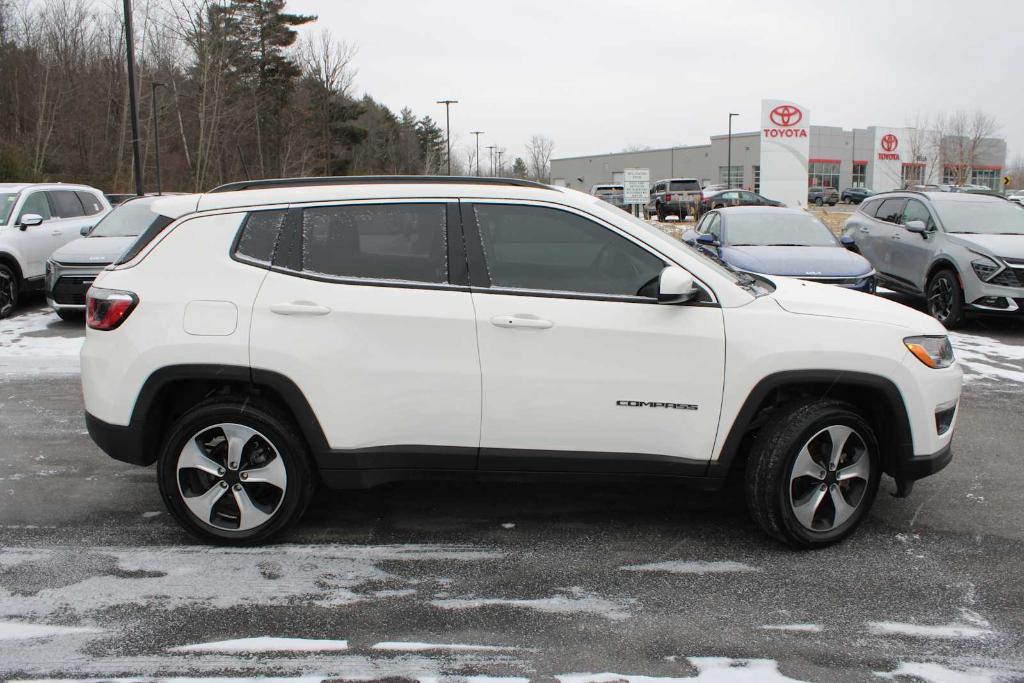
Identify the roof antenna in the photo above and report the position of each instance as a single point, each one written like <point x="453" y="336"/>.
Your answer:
<point x="245" y="169"/>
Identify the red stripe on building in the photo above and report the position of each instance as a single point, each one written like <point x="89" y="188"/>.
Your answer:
<point x="824" y="161"/>
<point x="913" y="163"/>
<point x="976" y="167"/>
<point x="861" y="161"/>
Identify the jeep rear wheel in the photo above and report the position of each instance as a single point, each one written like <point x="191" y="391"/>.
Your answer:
<point x="234" y="473"/>
<point x="813" y="473"/>
<point x="8" y="291"/>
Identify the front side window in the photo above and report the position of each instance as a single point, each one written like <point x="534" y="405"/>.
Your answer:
<point x="66" y="204"/>
<point x="916" y="211"/>
<point x="714" y="226"/>
<point x="36" y="203"/>
<point x="7" y="202"/>
<point x="891" y="210"/>
<point x="258" y="240"/>
<point x="406" y="242"/>
<point x="530" y="247"/>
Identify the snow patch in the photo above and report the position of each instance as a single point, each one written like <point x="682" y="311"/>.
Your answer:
<point x="691" y="567"/>
<point x="264" y="645"/>
<point x="709" y="670"/>
<point x="575" y="603"/>
<point x="987" y="359"/>
<point x="13" y="630"/>
<point x="931" y="672"/>
<point x="38" y="342"/>
<point x="948" y="631"/>
<point x="800" y="628"/>
<point x="401" y="646"/>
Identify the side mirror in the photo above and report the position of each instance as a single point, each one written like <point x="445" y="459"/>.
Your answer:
<point x="86" y="230"/>
<point x="30" y="220"/>
<point x="675" y="286"/>
<point x="707" y="240"/>
<point x="847" y="242"/>
<point x="916" y="226"/>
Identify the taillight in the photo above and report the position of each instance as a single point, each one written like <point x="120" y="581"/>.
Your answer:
<point x="668" y="198"/>
<point x="108" y="308"/>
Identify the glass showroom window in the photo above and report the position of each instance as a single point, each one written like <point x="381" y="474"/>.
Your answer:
<point x="986" y="176"/>
<point x="823" y="174"/>
<point x="860" y="175"/>
<point x="730" y="175"/>
<point x="757" y="178"/>
<point x="951" y="175"/>
<point x="913" y="174"/>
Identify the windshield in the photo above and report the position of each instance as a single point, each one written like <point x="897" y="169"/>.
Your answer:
<point x="127" y="220"/>
<point x="981" y="217"/>
<point x="7" y="201"/>
<point x="774" y="229"/>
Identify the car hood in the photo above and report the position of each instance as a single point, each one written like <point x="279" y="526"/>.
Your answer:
<point x="812" y="298"/>
<point x="1009" y="246"/>
<point x="98" y="250"/>
<point x="797" y="261"/>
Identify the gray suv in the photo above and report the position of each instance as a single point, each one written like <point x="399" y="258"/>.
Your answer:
<point x="679" y="197"/>
<point x="964" y="253"/>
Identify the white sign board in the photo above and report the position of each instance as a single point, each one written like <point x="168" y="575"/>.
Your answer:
<point x="636" y="185"/>
<point x="785" y="146"/>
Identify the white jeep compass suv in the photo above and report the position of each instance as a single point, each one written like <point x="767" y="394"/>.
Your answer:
<point x="269" y="335"/>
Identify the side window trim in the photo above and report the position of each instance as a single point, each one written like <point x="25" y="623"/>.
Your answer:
<point x="479" y="275"/>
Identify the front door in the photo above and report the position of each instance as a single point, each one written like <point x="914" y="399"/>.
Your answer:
<point x="364" y="312"/>
<point x="581" y="368"/>
<point x="37" y="242"/>
<point x="912" y="252"/>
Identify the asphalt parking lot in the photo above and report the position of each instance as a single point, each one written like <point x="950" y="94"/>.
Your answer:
<point x="510" y="581"/>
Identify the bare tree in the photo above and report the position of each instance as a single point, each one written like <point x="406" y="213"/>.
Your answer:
<point x="327" y="63"/>
<point x="963" y="139"/>
<point x="538" y="151"/>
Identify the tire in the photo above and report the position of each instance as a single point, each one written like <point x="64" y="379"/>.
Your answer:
<point x="819" y="202"/>
<point x="9" y="291"/>
<point x="774" y="484"/>
<point x="944" y="298"/>
<point x="71" y="316"/>
<point x="269" y="508"/>
<point x="661" y="213"/>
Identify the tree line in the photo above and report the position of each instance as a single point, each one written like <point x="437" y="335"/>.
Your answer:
<point x="229" y="85"/>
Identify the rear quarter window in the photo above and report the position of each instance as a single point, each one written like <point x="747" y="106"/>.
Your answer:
<point x="90" y="203"/>
<point x="258" y="239"/>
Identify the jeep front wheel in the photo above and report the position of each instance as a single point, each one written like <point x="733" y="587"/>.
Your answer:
<point x="234" y="473"/>
<point x="813" y="473"/>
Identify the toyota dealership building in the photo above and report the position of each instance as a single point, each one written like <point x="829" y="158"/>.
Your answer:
<point x="789" y="150"/>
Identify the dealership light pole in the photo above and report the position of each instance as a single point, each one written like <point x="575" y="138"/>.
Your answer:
<point x="156" y="134"/>
<point x="477" y="133"/>
<point x="490" y="151"/>
<point x="447" y="128"/>
<point x="499" y="153"/>
<point x="129" y="39"/>
<point x="728" y="163"/>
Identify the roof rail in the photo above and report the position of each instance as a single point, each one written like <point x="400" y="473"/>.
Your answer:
<point x="271" y="183"/>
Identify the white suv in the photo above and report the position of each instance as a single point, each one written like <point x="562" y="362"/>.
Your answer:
<point x="36" y="220"/>
<point x="356" y="331"/>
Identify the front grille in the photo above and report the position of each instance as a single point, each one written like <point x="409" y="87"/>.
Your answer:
<point x="834" y="280"/>
<point x="1010" y="277"/>
<point x="70" y="291"/>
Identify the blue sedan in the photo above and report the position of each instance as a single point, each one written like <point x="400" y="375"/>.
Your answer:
<point x="773" y="241"/>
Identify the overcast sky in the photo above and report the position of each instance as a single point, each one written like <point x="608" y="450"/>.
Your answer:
<point x="599" y="75"/>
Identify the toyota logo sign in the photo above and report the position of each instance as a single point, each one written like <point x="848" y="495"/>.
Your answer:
<point x="889" y="142"/>
<point x="785" y="115"/>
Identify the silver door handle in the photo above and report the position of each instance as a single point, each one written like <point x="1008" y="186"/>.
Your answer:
<point x="299" y="308"/>
<point x="520" y="321"/>
<point x="56" y="233"/>
<point x="864" y="229"/>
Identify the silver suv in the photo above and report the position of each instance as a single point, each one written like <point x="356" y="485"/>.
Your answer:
<point x="964" y="253"/>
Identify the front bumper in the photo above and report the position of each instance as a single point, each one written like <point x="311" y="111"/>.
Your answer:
<point x="67" y="283"/>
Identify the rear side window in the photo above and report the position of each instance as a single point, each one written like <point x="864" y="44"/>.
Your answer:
<point x="530" y="247"/>
<point x="406" y="242"/>
<point x="891" y="210"/>
<point x="258" y="239"/>
<point x="90" y="203"/>
<point x="684" y="186"/>
<point x="66" y="204"/>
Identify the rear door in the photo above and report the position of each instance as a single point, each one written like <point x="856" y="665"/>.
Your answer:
<point x="69" y="217"/>
<point x="581" y="368"/>
<point x="367" y="310"/>
<point x="883" y="232"/>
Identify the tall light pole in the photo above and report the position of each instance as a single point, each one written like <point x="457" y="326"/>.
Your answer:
<point x="156" y="134"/>
<point x="728" y="163"/>
<point x="477" y="133"/>
<point x="499" y="152"/>
<point x="490" y="149"/>
<point x="129" y="39"/>
<point x="447" y="128"/>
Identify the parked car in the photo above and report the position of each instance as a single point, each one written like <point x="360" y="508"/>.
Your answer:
<point x="116" y="199"/>
<point x="353" y="331"/>
<point x="819" y="196"/>
<point x="71" y="269"/>
<point x="613" y="194"/>
<point x="718" y="200"/>
<point x="711" y="189"/>
<point x="963" y="253"/>
<point x="678" y="197"/>
<point x="1017" y="196"/>
<point x="855" y="195"/>
<point x="36" y="219"/>
<point x="788" y="242"/>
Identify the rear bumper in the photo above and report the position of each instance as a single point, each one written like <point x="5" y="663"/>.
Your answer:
<point x="122" y="443"/>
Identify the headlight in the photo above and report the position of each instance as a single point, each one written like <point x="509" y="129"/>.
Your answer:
<point x="935" y="352"/>
<point x="984" y="268"/>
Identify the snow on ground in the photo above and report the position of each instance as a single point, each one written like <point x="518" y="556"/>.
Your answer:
<point x="38" y="342"/>
<point x="931" y="672"/>
<point x="944" y="632"/>
<point x="577" y="601"/>
<point x="402" y="646"/>
<point x="987" y="359"/>
<point x="265" y="644"/>
<point x="709" y="670"/>
<point x="692" y="567"/>
<point x="15" y="630"/>
<point x="796" y="628"/>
